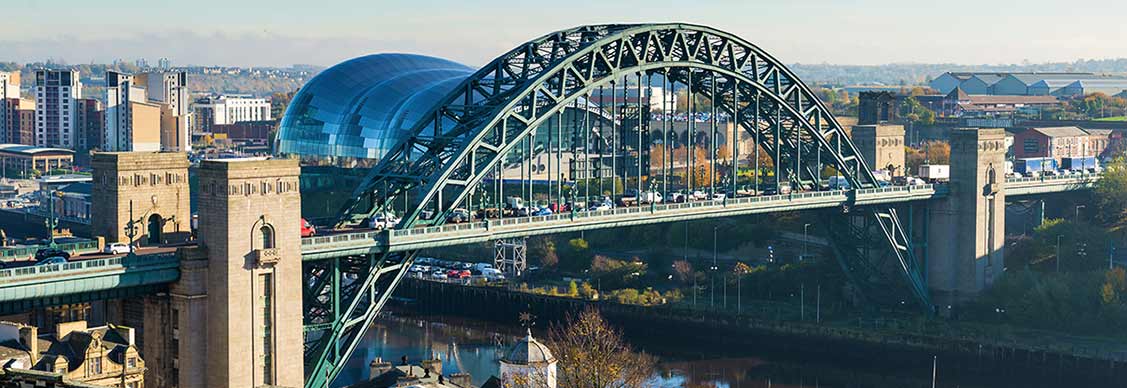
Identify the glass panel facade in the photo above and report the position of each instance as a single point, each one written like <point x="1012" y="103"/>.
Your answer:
<point x="364" y="107"/>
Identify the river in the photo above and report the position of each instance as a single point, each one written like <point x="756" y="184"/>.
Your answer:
<point x="475" y="346"/>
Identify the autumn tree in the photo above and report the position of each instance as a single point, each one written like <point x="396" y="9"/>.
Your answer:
<point x="683" y="270"/>
<point x="592" y="354"/>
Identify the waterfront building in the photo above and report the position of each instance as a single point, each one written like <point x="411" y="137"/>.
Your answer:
<point x="102" y="356"/>
<point x="55" y="108"/>
<point x="426" y="375"/>
<point x="1060" y="142"/>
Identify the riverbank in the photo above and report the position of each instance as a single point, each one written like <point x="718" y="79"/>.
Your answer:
<point x="891" y="343"/>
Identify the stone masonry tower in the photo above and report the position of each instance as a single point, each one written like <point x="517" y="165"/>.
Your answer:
<point x="155" y="184"/>
<point x="967" y="228"/>
<point x="882" y="146"/>
<point x="249" y="222"/>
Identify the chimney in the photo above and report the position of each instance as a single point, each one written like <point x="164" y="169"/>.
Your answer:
<point x="378" y="367"/>
<point x="434" y="365"/>
<point x="29" y="337"/>
<point x="62" y="329"/>
<point x="461" y="379"/>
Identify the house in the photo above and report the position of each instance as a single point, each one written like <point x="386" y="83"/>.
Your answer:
<point x="104" y="356"/>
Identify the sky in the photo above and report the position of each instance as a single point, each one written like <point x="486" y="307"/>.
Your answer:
<point x="325" y="32"/>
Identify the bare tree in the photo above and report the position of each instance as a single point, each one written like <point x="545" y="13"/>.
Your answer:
<point x="592" y="354"/>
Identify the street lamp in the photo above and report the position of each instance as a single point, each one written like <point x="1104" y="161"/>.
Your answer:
<point x="805" y="229"/>
<point x="1058" y="252"/>
<point x="1077" y="216"/>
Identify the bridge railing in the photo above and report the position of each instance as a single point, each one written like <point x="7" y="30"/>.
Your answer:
<point x="29" y="251"/>
<point x="1052" y="178"/>
<point x="16" y="274"/>
<point x="368" y="236"/>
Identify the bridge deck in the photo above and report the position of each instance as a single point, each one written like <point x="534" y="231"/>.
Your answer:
<point x="365" y="242"/>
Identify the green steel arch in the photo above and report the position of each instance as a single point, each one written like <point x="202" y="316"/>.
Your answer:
<point x="464" y="138"/>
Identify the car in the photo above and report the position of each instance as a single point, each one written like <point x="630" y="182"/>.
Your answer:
<point x="465" y="273"/>
<point x="116" y="248"/>
<point x="453" y="273"/>
<point x="383" y="221"/>
<point x="307" y="229"/>
<point x="438" y="275"/>
<point x="603" y="206"/>
<point x="544" y="211"/>
<point x="458" y="216"/>
<point x="719" y="196"/>
<point x="52" y="260"/>
<point x="697" y="195"/>
<point x="46" y="253"/>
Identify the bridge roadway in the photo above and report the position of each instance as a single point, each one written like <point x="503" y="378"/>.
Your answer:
<point x="99" y="276"/>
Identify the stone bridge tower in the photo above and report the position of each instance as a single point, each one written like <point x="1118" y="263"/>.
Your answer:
<point x="250" y="228"/>
<point x="967" y="231"/>
<point x="150" y="187"/>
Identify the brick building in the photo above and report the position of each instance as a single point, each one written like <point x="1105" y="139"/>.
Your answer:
<point x="104" y="356"/>
<point x="1060" y="142"/>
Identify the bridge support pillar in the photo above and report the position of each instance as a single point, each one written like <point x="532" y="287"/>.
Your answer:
<point x="967" y="234"/>
<point x="882" y="145"/>
<point x="249" y="227"/>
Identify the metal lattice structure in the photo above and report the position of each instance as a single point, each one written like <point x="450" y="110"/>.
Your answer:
<point x="510" y="116"/>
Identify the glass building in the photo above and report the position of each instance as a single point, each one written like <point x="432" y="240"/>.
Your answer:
<point x="364" y="107"/>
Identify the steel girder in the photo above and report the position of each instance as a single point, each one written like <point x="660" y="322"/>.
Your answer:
<point x="492" y="112"/>
<point x="342" y="298"/>
<point x="504" y="101"/>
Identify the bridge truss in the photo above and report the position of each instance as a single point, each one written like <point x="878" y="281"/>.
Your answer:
<point x="522" y="127"/>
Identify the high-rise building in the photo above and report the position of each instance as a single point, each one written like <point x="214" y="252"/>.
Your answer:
<point x="171" y="90"/>
<point x="164" y="63"/>
<point x="55" y="94"/>
<point x="131" y="122"/>
<point x="9" y="94"/>
<point x="90" y="121"/>
<point x="229" y="109"/>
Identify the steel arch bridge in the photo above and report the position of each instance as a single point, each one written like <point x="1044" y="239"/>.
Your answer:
<point x="513" y="110"/>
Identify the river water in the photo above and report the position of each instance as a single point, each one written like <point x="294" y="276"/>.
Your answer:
<point x="474" y="347"/>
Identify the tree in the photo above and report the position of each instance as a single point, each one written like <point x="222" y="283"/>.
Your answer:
<point x="916" y="113"/>
<point x="1111" y="194"/>
<point x="545" y="249"/>
<point x="683" y="270"/>
<point x="592" y="354"/>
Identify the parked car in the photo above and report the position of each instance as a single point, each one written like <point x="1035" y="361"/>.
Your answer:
<point x="46" y="253"/>
<point x="116" y="248"/>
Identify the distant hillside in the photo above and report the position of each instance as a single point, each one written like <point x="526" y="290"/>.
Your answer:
<point x="921" y="73"/>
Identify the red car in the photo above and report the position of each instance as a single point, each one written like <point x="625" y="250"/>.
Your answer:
<point x="307" y="229"/>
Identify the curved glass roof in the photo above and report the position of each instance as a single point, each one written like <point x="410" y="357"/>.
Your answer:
<point x="365" y="106"/>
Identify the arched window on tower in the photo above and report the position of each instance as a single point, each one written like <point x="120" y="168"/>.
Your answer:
<point x="267" y="237"/>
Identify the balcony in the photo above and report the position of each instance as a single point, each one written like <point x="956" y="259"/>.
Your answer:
<point x="266" y="257"/>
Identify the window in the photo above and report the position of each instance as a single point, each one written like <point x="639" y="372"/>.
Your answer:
<point x="131" y="362"/>
<point x="94" y="366"/>
<point x="267" y="281"/>
<point x="267" y="237"/>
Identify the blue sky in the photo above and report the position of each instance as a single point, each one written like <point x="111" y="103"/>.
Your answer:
<point x="323" y="32"/>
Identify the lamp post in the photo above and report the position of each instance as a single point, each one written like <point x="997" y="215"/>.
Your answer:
<point x="805" y="232"/>
<point x="1076" y="218"/>
<point x="1058" y="252"/>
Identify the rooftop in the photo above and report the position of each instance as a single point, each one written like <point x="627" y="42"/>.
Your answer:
<point x="31" y="150"/>
<point x="1060" y="131"/>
